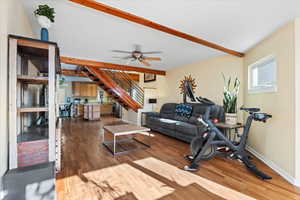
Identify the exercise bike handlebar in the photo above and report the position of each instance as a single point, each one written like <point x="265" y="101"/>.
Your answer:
<point x="251" y="110"/>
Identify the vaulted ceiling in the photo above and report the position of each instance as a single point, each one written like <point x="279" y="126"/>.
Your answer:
<point x="85" y="33"/>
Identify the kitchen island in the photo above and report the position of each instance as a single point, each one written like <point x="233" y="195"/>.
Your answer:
<point x="93" y="111"/>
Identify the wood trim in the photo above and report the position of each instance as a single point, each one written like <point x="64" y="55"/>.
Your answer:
<point x="103" y="65"/>
<point x="34" y="44"/>
<point x="32" y="79"/>
<point x="69" y="72"/>
<point x="134" y="77"/>
<point x="139" y="20"/>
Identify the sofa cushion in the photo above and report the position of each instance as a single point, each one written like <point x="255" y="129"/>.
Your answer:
<point x="167" y="111"/>
<point x="167" y="123"/>
<point x="186" y="128"/>
<point x="162" y="122"/>
<point x="199" y="110"/>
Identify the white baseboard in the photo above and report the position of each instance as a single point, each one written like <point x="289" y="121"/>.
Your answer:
<point x="275" y="167"/>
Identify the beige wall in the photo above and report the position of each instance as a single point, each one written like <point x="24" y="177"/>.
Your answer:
<point x="13" y="20"/>
<point x="156" y="89"/>
<point x="297" y="100"/>
<point x="208" y="76"/>
<point x="275" y="139"/>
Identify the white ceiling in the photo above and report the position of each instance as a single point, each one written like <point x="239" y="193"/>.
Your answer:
<point x="86" y="33"/>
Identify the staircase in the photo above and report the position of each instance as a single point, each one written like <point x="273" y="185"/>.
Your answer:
<point x="118" y="85"/>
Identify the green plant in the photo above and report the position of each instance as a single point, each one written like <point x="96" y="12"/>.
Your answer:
<point x="62" y="80"/>
<point x="230" y="95"/>
<point x="45" y="10"/>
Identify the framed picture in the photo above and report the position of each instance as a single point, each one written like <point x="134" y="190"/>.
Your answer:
<point x="149" y="77"/>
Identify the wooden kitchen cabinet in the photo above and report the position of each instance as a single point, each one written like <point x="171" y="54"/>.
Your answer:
<point x="84" y="90"/>
<point x="81" y="89"/>
<point x="76" y="89"/>
<point x="106" y="109"/>
<point x="91" y="90"/>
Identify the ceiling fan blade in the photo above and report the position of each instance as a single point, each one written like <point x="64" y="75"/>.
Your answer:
<point x="152" y="52"/>
<point x="119" y="51"/>
<point x="126" y="57"/>
<point x="145" y="62"/>
<point x="152" y="58"/>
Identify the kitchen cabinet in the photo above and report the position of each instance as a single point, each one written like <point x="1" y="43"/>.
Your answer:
<point x="76" y="89"/>
<point x="81" y="89"/>
<point x="106" y="109"/>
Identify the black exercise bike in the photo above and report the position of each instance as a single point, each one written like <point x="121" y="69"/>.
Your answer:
<point x="208" y="144"/>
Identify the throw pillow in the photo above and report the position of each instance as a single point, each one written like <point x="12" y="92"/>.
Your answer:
<point x="184" y="111"/>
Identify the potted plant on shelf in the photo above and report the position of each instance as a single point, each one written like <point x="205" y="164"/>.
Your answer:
<point x="45" y="16"/>
<point x="230" y="100"/>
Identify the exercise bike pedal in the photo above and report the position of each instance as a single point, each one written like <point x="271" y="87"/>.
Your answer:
<point x="232" y="156"/>
<point x="189" y="158"/>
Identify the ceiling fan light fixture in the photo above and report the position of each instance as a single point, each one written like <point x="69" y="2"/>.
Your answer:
<point x="138" y="55"/>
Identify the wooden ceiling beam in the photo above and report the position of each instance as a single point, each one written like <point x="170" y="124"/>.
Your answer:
<point x="135" y="77"/>
<point x="70" y="72"/>
<point x="103" y="65"/>
<point x="139" y="20"/>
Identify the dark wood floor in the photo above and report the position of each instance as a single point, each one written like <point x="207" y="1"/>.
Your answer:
<point x="90" y="172"/>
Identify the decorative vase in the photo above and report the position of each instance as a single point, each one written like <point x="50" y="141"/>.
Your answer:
<point x="231" y="118"/>
<point x="44" y="34"/>
<point x="45" y="23"/>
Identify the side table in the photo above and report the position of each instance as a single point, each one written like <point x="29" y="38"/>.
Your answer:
<point x="228" y="128"/>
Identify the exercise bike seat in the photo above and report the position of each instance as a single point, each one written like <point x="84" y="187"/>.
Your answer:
<point x="250" y="109"/>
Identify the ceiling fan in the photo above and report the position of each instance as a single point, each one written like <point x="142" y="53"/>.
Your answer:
<point x="138" y="55"/>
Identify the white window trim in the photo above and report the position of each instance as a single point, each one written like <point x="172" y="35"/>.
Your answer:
<point x="258" y="90"/>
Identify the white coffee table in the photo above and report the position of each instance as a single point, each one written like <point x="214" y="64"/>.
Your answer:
<point x="125" y="130"/>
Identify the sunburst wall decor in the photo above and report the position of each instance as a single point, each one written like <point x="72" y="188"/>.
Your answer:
<point x="187" y="79"/>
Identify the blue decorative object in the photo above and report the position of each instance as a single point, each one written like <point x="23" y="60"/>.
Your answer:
<point x="184" y="111"/>
<point x="44" y="34"/>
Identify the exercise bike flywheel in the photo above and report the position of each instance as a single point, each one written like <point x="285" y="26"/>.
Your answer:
<point x="196" y="147"/>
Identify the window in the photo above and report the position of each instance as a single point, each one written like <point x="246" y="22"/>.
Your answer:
<point x="262" y="76"/>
